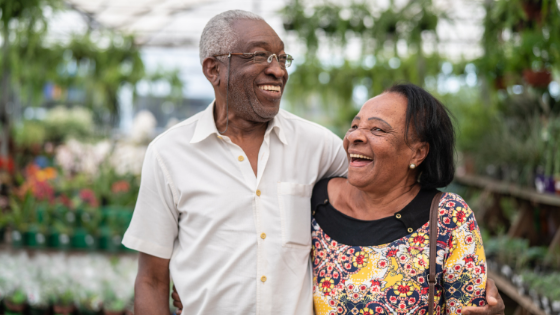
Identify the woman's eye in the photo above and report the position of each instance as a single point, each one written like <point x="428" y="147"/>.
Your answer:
<point x="376" y="129"/>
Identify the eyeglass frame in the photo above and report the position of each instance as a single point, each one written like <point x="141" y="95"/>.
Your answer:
<point x="269" y="58"/>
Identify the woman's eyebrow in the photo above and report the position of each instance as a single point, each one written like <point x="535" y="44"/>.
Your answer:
<point x="381" y="120"/>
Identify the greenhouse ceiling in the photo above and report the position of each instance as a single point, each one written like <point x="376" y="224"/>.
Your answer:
<point x="163" y="23"/>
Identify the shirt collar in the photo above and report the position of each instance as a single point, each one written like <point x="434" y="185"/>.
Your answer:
<point x="206" y="126"/>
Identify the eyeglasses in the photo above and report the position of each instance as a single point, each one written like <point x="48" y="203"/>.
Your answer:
<point x="260" y="57"/>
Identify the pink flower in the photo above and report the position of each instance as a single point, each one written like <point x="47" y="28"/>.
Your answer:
<point x="88" y="196"/>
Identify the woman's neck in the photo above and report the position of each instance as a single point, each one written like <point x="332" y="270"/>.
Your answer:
<point x="370" y="205"/>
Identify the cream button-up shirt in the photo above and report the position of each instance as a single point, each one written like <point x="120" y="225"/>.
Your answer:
<point x="238" y="243"/>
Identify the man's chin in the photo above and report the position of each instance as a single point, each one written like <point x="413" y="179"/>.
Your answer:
<point x="267" y="110"/>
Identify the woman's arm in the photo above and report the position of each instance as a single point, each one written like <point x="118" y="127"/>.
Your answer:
<point x="464" y="270"/>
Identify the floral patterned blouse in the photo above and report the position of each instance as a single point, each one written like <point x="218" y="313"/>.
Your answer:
<point x="392" y="278"/>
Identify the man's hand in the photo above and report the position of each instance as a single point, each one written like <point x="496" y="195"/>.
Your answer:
<point x="495" y="304"/>
<point x="152" y="286"/>
<point x="177" y="301"/>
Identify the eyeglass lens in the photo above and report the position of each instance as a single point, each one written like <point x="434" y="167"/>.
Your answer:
<point x="267" y="56"/>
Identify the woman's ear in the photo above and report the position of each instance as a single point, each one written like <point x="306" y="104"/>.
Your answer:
<point x="420" y="152"/>
<point x="211" y="70"/>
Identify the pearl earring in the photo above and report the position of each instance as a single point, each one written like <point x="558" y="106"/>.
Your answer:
<point x="412" y="166"/>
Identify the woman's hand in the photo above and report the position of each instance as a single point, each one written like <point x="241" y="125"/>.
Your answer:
<point x="495" y="304"/>
<point x="177" y="301"/>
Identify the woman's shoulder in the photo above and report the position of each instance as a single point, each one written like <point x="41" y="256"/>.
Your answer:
<point x="454" y="212"/>
<point x="320" y="192"/>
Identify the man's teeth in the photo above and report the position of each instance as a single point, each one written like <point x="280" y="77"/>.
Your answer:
<point x="359" y="156"/>
<point x="269" y="88"/>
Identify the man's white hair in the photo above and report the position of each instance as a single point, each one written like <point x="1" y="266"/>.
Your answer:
<point x="218" y="36"/>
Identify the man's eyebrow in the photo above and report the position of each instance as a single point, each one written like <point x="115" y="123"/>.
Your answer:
<point x="383" y="121"/>
<point x="261" y="43"/>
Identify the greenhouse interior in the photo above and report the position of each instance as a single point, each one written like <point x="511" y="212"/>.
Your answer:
<point x="87" y="85"/>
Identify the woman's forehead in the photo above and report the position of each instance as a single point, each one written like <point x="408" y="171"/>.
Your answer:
<point x="390" y="106"/>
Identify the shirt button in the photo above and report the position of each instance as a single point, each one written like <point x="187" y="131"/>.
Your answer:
<point x="220" y="137"/>
<point x="263" y="279"/>
<point x="258" y="192"/>
<point x="263" y="235"/>
<point x="326" y="200"/>
<point x="398" y="216"/>
<point x="410" y="230"/>
<point x="241" y="158"/>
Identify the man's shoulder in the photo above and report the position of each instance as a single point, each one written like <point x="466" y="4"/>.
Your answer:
<point x="180" y="133"/>
<point x="297" y="124"/>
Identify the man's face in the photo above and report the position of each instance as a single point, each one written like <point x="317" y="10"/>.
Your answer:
<point x="255" y="89"/>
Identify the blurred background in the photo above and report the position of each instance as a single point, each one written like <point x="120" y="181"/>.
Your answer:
<point x="85" y="85"/>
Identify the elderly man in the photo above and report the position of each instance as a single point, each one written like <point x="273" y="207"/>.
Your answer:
<point x="224" y="203"/>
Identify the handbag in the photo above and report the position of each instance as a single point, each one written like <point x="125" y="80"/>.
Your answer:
<point x="434" y="214"/>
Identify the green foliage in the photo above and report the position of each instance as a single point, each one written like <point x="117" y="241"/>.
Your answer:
<point x="17" y="297"/>
<point x="332" y="79"/>
<point x="29" y="134"/>
<point x="62" y="123"/>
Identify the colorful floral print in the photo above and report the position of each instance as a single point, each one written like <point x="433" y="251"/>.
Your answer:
<point x="392" y="278"/>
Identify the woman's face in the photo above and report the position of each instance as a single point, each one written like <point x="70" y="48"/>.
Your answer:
<point x="375" y="145"/>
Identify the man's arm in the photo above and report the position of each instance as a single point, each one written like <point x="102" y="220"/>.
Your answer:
<point x="495" y="304"/>
<point x="151" y="288"/>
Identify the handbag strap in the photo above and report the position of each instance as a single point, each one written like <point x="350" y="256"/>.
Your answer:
<point x="433" y="250"/>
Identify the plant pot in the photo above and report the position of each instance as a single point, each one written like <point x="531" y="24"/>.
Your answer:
<point x="532" y="10"/>
<point x="540" y="79"/>
<point x="17" y="239"/>
<point x="59" y="241"/>
<point x="557" y="185"/>
<point x="2" y="235"/>
<point x="39" y="311"/>
<point x="83" y="240"/>
<point x="555" y="307"/>
<point x="110" y="243"/>
<point x="88" y="312"/>
<point x="113" y="312"/>
<point x="34" y="239"/>
<point x="13" y="309"/>
<point x="63" y="309"/>
<point x="545" y="184"/>
<point x="545" y="304"/>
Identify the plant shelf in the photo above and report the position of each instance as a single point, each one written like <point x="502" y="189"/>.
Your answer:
<point x="510" y="189"/>
<point x="506" y="287"/>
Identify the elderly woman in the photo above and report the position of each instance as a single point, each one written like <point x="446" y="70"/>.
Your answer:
<point x="371" y="231"/>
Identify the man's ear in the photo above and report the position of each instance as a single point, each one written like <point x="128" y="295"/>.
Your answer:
<point x="420" y="152"/>
<point x="211" y="70"/>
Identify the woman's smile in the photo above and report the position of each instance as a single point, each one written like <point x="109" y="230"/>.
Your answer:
<point x="360" y="160"/>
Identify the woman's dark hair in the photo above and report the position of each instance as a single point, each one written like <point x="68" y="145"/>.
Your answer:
<point x="431" y="123"/>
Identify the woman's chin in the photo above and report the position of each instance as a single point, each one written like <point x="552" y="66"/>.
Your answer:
<point x="358" y="179"/>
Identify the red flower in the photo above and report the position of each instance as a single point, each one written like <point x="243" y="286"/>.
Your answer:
<point x="392" y="252"/>
<point x="88" y="196"/>
<point x="121" y="186"/>
<point x="43" y="191"/>
<point x="7" y="163"/>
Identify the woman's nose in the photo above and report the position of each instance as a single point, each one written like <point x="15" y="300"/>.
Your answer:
<point x="356" y="136"/>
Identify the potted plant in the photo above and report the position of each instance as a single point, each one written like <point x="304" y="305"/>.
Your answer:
<point x="14" y="302"/>
<point x="112" y="303"/>
<point x="63" y="302"/>
<point x="89" y="303"/>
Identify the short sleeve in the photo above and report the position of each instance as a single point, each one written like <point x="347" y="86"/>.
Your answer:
<point x="336" y="165"/>
<point x="465" y="266"/>
<point x="154" y="224"/>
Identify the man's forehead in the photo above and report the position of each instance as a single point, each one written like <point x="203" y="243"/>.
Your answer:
<point x="256" y="33"/>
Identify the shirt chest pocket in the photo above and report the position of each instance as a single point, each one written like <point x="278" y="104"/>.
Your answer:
<point x="295" y="208"/>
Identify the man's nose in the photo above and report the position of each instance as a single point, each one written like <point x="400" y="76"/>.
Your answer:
<point x="274" y="68"/>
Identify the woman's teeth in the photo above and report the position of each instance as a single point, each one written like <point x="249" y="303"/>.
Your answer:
<point x="359" y="156"/>
<point x="269" y="88"/>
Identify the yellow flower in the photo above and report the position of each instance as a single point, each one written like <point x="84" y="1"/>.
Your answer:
<point x="366" y="311"/>
<point x="460" y="215"/>
<point x="421" y="262"/>
<point x="419" y="239"/>
<point x="403" y="289"/>
<point x="326" y="285"/>
<point x="360" y="259"/>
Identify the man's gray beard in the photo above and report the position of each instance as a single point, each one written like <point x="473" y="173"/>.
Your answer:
<point x="245" y="104"/>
